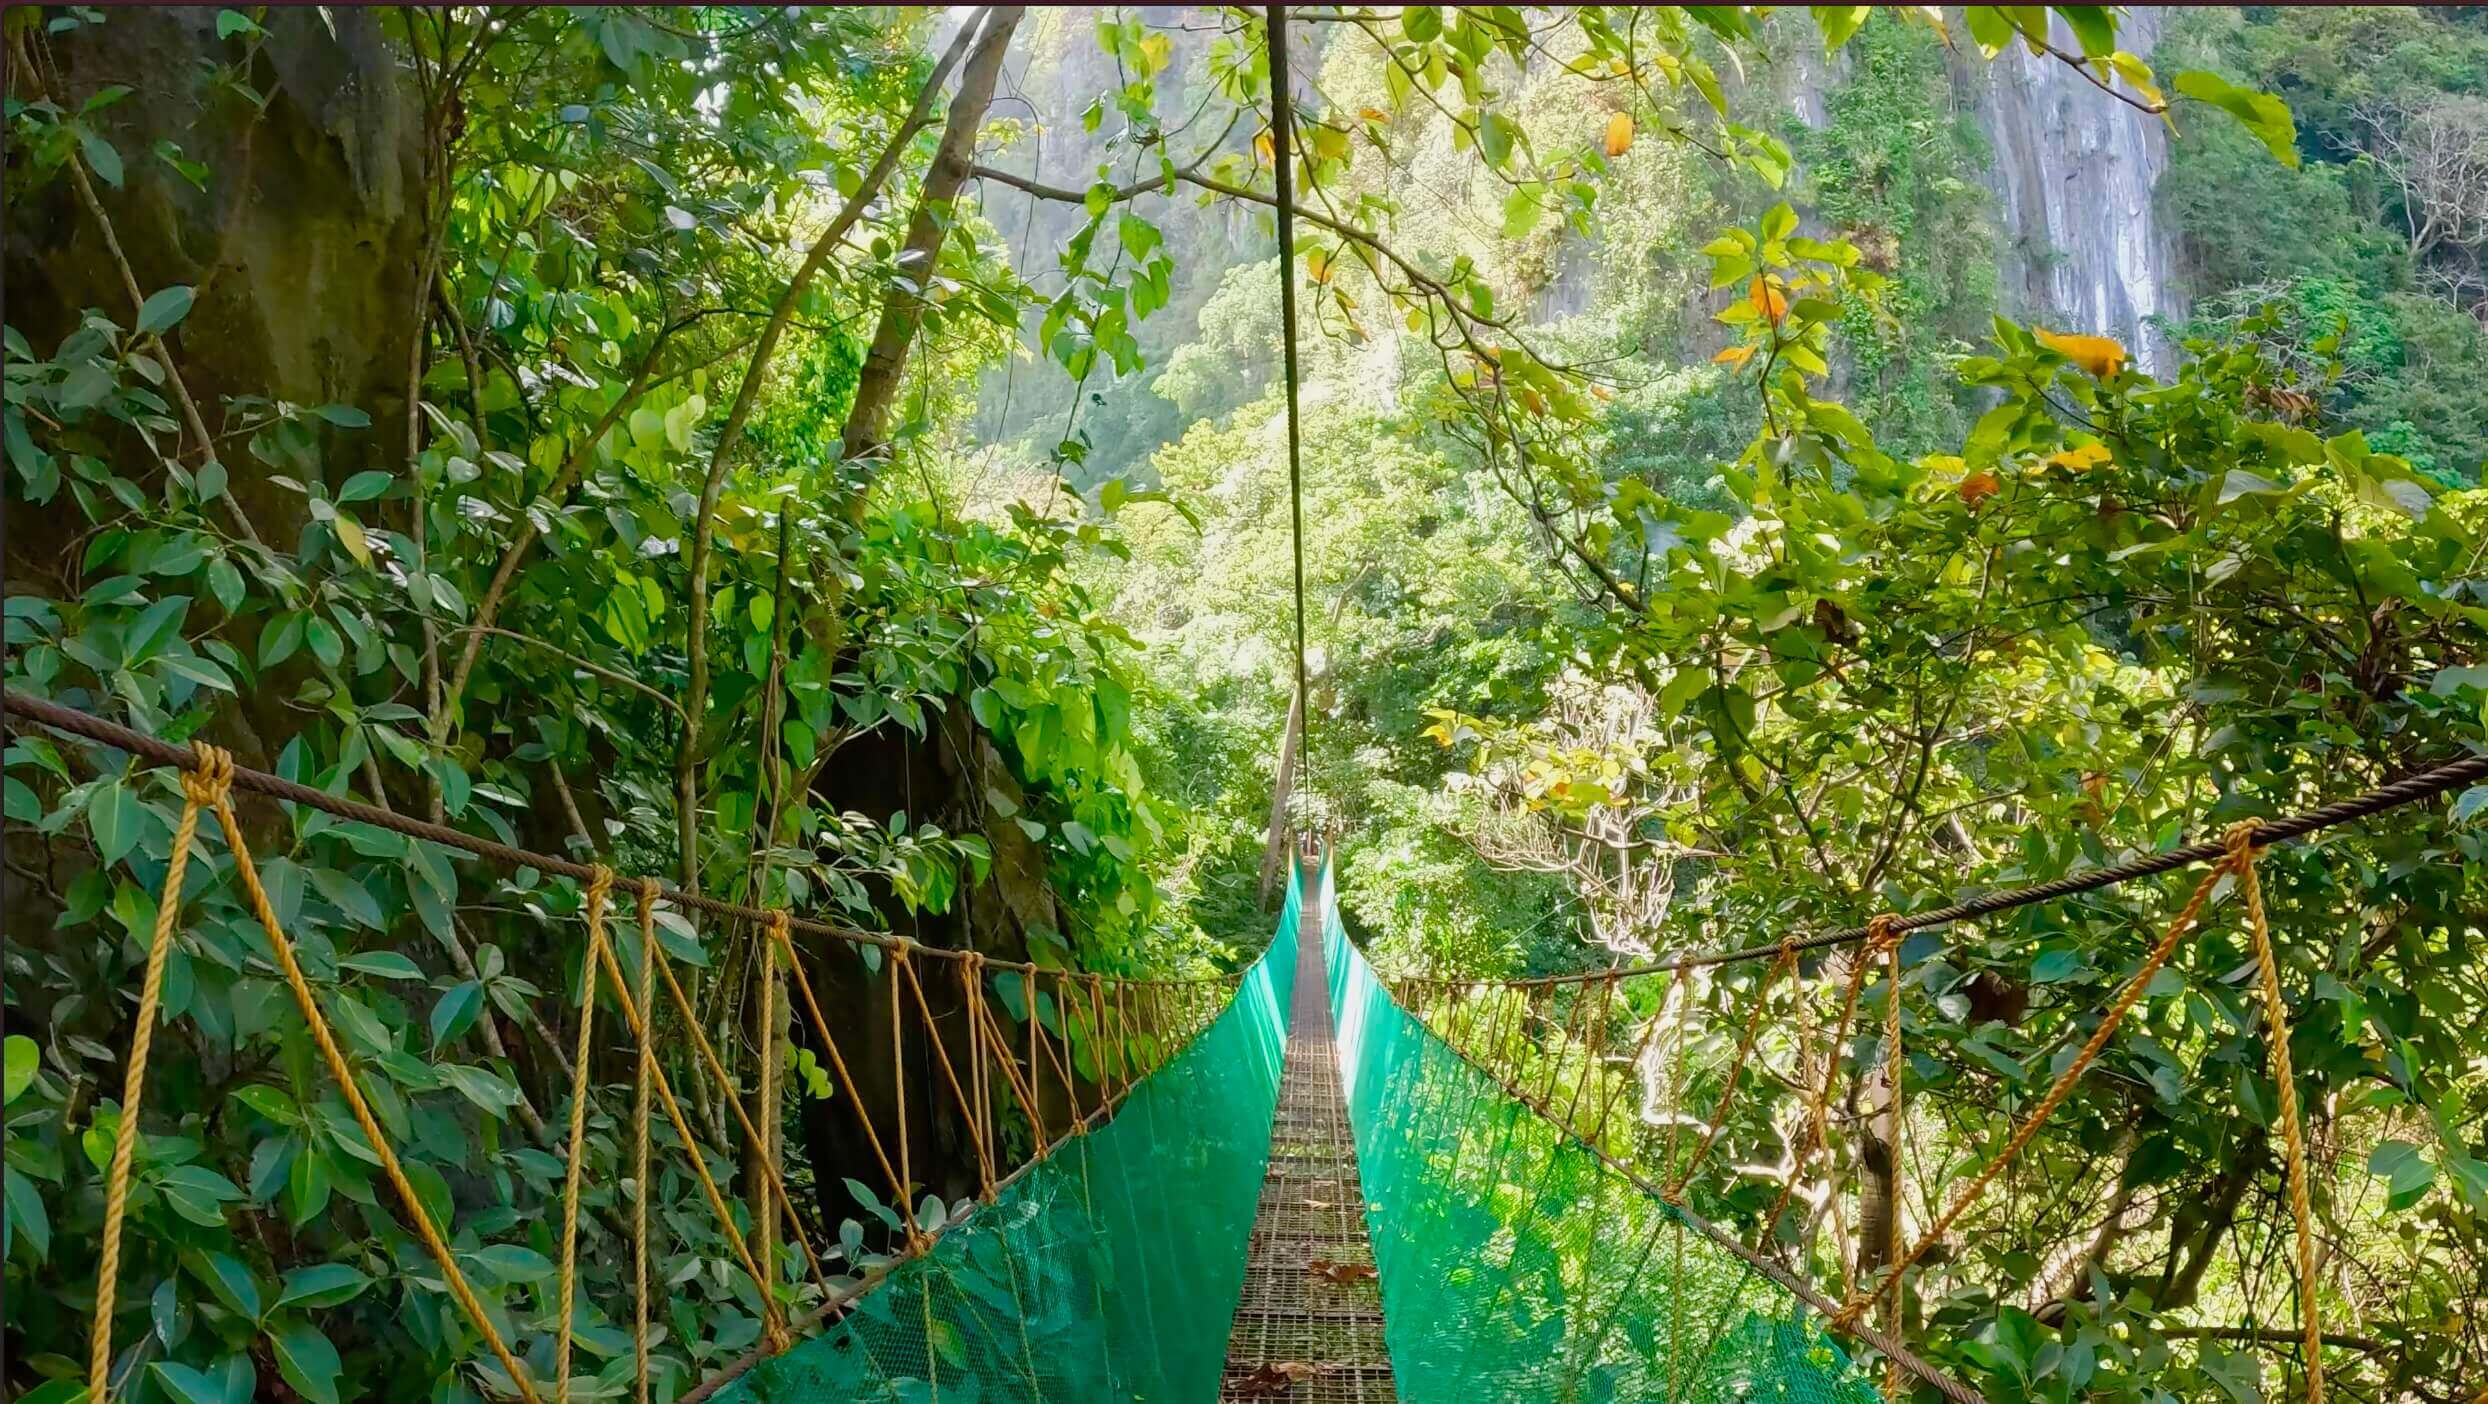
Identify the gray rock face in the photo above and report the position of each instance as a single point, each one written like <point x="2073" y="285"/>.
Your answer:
<point x="2073" y="171"/>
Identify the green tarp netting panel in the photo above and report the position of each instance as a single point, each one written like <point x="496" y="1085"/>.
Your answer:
<point x="1514" y="1265"/>
<point x="1107" y="1272"/>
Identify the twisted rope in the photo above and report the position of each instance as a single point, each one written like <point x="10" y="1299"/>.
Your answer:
<point x="1883" y="936"/>
<point x="202" y="788"/>
<point x="2241" y="840"/>
<point x="2124" y="1003"/>
<point x="599" y="889"/>
<point x="1674" y="1194"/>
<point x="639" y="1137"/>
<point x="638" y="1019"/>
<point x="343" y="1074"/>
<point x="1818" y="1115"/>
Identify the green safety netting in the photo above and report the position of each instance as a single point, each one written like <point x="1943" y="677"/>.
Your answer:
<point x="1514" y="1265"/>
<point x="1108" y="1272"/>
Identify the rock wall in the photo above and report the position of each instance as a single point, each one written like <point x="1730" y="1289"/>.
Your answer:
<point x="2073" y="172"/>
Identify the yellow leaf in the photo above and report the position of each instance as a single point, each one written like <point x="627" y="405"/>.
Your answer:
<point x="1159" y="49"/>
<point x="1317" y="265"/>
<point x="1734" y="356"/>
<point x="1768" y="300"/>
<point x="1619" y="134"/>
<point x="350" y="535"/>
<point x="2081" y="457"/>
<point x="2100" y="356"/>
<point x="1263" y="149"/>
<point x="1373" y="114"/>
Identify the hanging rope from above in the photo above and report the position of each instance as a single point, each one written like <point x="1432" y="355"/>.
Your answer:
<point x="1282" y="161"/>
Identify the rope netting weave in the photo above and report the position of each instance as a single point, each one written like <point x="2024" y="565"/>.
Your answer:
<point x="1516" y="1263"/>
<point x="1102" y="1271"/>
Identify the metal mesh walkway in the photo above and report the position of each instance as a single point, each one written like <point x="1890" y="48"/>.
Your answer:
<point x="1308" y="1328"/>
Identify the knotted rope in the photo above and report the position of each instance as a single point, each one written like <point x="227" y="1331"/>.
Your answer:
<point x="1818" y="1114"/>
<point x="2239" y="860"/>
<point x="202" y="788"/>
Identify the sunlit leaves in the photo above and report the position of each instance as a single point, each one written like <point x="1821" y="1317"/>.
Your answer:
<point x="2262" y="114"/>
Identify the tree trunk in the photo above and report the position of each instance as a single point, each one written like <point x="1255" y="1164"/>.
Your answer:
<point x="2194" y="1235"/>
<point x="902" y="312"/>
<point x="1281" y="790"/>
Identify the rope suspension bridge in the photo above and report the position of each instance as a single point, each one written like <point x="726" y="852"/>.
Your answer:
<point x="1469" y="1190"/>
<point x="1306" y="1180"/>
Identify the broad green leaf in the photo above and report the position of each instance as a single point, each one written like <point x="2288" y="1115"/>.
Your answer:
<point x="308" y="1361"/>
<point x="164" y="311"/>
<point x="23" y="1058"/>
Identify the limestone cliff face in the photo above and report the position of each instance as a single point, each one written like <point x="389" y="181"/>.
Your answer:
<point x="2073" y="172"/>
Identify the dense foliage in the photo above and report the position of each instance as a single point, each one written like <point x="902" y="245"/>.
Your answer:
<point x="738" y="472"/>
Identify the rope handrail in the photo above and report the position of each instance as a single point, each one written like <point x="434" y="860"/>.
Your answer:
<point x="1893" y="1349"/>
<point x="2423" y="785"/>
<point x="71" y="721"/>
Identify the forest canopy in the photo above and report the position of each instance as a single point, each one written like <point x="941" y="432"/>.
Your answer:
<point x="835" y="459"/>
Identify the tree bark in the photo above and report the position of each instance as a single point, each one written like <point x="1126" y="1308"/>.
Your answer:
<point x="902" y="312"/>
<point x="1281" y="790"/>
<point x="704" y="529"/>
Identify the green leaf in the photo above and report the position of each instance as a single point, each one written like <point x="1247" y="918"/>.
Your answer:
<point x="188" y="1385"/>
<point x="2062" y="963"/>
<point x="27" y="1215"/>
<point x="514" y="1263"/>
<point x="23" y="1057"/>
<point x="322" y="1285"/>
<point x="112" y="817"/>
<point x="232" y="22"/>
<point x="388" y="965"/>
<point x="199" y="1194"/>
<point x="364" y="485"/>
<point x="2262" y="114"/>
<point x="271" y="1102"/>
<point x="2094" y="26"/>
<point x="2466" y="807"/>
<point x="2408" y="1175"/>
<point x="164" y="311"/>
<point x="1839" y="23"/>
<point x="308" y="1362"/>
<point x="455" y="1012"/>
<point x="101" y="157"/>
<point x="228" y="1279"/>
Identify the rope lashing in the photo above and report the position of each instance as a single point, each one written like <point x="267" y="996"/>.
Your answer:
<point x="950" y="1075"/>
<point x="599" y="891"/>
<point x="639" y="1018"/>
<point x="780" y="931"/>
<point x="202" y="788"/>
<point x="2242" y="855"/>
<point x="1675" y="1191"/>
<point x="906" y="1185"/>
<point x="1818" y="1112"/>
<point x="716" y="1069"/>
<point x="2178" y="927"/>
